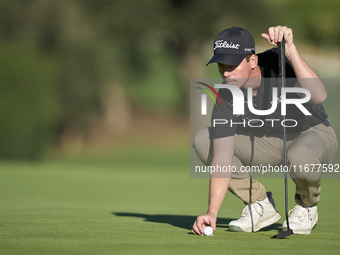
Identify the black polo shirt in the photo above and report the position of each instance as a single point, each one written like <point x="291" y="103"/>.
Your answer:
<point x="225" y="124"/>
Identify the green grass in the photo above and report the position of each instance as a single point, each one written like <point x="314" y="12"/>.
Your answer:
<point x="141" y="202"/>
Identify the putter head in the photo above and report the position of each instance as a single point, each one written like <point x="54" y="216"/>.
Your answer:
<point x="283" y="234"/>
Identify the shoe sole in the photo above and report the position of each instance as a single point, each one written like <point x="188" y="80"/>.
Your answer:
<point x="302" y="232"/>
<point x="259" y="226"/>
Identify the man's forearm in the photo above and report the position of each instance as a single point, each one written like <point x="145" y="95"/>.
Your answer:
<point x="217" y="190"/>
<point x="219" y="181"/>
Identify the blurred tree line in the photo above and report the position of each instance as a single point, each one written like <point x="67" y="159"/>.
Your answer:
<point x="68" y="64"/>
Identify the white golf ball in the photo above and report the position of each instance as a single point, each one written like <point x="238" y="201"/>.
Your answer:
<point x="208" y="231"/>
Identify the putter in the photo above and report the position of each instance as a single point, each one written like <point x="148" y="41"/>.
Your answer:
<point x="282" y="75"/>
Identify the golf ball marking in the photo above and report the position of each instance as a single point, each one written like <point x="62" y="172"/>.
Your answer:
<point x="208" y="231"/>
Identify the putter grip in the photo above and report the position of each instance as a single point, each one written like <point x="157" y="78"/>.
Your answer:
<point x="282" y="63"/>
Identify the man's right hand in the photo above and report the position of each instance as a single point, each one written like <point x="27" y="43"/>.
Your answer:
<point x="223" y="156"/>
<point x="203" y="221"/>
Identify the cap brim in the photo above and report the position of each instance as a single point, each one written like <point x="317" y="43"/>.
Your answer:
<point x="227" y="59"/>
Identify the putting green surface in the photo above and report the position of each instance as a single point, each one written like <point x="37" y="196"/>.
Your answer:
<point x="138" y="203"/>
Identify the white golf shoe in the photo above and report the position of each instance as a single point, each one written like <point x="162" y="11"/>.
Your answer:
<point x="302" y="219"/>
<point x="262" y="215"/>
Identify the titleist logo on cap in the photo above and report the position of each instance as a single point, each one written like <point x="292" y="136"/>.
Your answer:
<point x="225" y="44"/>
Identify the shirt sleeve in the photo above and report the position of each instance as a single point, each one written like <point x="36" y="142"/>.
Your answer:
<point x="221" y="119"/>
<point x="270" y="59"/>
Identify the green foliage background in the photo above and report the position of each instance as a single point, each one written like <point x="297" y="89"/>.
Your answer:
<point x="70" y="69"/>
<point x="57" y="57"/>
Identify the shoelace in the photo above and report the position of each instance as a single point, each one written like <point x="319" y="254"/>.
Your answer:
<point x="300" y="213"/>
<point x="246" y="212"/>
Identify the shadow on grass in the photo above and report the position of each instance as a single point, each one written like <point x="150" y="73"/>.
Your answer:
<point x="184" y="221"/>
<point x="180" y="221"/>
